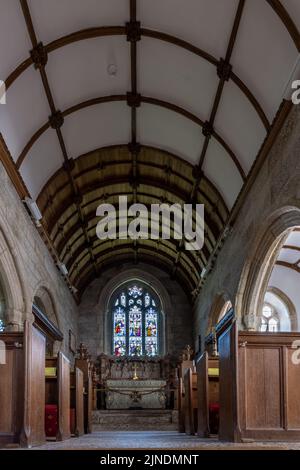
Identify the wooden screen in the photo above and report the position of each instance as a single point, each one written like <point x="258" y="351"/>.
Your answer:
<point x="34" y="417"/>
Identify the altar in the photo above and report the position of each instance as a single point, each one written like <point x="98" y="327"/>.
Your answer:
<point x="135" y="394"/>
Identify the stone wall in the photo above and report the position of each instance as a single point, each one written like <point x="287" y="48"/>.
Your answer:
<point x="276" y="187"/>
<point x="26" y="266"/>
<point x="93" y="314"/>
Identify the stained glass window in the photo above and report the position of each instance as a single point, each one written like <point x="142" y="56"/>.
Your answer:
<point x="119" y="332"/>
<point x="136" y="321"/>
<point x="1" y="326"/>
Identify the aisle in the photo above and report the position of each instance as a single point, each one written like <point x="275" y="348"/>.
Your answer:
<point x="155" y="440"/>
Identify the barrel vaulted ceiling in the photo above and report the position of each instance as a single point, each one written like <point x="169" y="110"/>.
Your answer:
<point x="161" y="100"/>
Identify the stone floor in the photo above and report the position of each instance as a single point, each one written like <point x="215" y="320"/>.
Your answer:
<point x="148" y="440"/>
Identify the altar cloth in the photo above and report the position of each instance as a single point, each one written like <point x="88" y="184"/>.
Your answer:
<point x="125" y="394"/>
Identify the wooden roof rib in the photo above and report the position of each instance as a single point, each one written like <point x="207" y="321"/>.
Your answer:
<point x="185" y="118"/>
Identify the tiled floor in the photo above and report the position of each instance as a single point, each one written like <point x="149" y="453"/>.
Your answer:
<point x="155" y="440"/>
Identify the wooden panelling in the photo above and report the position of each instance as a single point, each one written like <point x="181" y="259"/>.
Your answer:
<point x="263" y="380"/>
<point x="207" y="391"/>
<point x="34" y="417"/>
<point x="202" y="392"/>
<point x="77" y="400"/>
<point x="85" y="366"/>
<point x="228" y="429"/>
<point x="182" y="368"/>
<point x="262" y="388"/>
<point x="292" y="389"/>
<point x="11" y="387"/>
<point x="63" y="398"/>
<point x="190" y="402"/>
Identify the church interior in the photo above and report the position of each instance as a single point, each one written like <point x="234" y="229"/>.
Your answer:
<point x="120" y="342"/>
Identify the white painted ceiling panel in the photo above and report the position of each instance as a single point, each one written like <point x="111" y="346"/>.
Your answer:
<point x="173" y="74"/>
<point x="264" y="55"/>
<point x="206" y="24"/>
<point x="14" y="40"/>
<point x="78" y="71"/>
<point x="26" y="109"/>
<point x="169" y="131"/>
<point x="44" y="159"/>
<point x="55" y="18"/>
<point x="96" y="127"/>
<point x="293" y="9"/>
<point x="222" y="172"/>
<point x="239" y="125"/>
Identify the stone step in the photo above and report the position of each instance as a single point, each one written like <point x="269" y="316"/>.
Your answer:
<point x="135" y="420"/>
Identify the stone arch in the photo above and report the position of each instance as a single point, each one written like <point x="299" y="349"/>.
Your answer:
<point x="13" y="288"/>
<point x="124" y="277"/>
<point x="258" y="267"/>
<point x="45" y="302"/>
<point x="218" y="309"/>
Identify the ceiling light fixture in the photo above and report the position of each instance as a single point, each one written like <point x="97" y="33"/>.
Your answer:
<point x="34" y="210"/>
<point x="112" y="70"/>
<point x="63" y="269"/>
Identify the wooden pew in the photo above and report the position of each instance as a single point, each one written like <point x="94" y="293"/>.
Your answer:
<point x="11" y="387"/>
<point x="84" y="363"/>
<point x="259" y="386"/>
<point x="207" y="394"/>
<point x="190" y="402"/>
<point x="58" y="392"/>
<point x="77" y="401"/>
<point x="182" y="368"/>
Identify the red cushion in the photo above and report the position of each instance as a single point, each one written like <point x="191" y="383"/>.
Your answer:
<point x="51" y="423"/>
<point x="214" y="407"/>
<point x="72" y="420"/>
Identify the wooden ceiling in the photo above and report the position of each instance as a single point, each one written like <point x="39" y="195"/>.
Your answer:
<point x="69" y="192"/>
<point x="104" y="175"/>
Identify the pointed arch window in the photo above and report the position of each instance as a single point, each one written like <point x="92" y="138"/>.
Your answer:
<point x="269" y="321"/>
<point x="136" y="321"/>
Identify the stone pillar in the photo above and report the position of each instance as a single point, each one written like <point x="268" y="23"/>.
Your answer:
<point x="250" y="322"/>
<point x="14" y="320"/>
